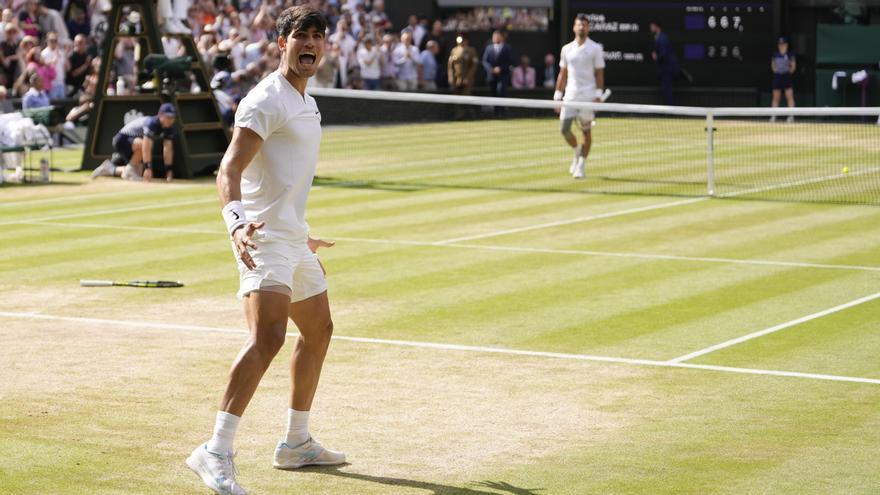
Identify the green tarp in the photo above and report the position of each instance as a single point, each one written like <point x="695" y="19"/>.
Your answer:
<point x="844" y="44"/>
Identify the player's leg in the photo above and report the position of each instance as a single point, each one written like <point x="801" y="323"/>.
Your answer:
<point x="311" y="315"/>
<point x="566" y="119"/>
<point x="585" y="120"/>
<point x="266" y="313"/>
<point x="121" y="154"/>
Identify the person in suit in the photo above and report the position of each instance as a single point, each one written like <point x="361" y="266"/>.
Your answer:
<point x="667" y="64"/>
<point x="497" y="59"/>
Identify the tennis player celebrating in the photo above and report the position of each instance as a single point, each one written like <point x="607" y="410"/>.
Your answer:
<point x="264" y="181"/>
<point x="581" y="78"/>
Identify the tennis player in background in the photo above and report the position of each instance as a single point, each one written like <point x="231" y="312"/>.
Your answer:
<point x="263" y="182"/>
<point x="581" y="78"/>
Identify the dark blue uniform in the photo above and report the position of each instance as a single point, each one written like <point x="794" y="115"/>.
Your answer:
<point x="667" y="65"/>
<point x="781" y="70"/>
<point x="148" y="126"/>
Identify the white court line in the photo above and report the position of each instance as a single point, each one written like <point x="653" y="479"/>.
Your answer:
<point x="574" y="220"/>
<point x="455" y="347"/>
<point x="776" y="328"/>
<point x="485" y="247"/>
<point x="109" y="212"/>
<point x="129" y="193"/>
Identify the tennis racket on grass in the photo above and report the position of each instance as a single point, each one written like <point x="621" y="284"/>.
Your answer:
<point x="150" y="284"/>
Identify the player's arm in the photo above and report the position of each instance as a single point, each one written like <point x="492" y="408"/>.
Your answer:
<point x="561" y="79"/>
<point x="147" y="149"/>
<point x="168" y="158"/>
<point x="244" y="146"/>
<point x="600" y="83"/>
<point x="792" y="65"/>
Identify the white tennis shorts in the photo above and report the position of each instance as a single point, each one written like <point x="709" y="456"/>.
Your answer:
<point x="567" y="115"/>
<point x="280" y="263"/>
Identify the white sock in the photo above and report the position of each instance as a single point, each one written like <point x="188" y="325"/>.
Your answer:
<point x="297" y="427"/>
<point x="224" y="432"/>
<point x="577" y="149"/>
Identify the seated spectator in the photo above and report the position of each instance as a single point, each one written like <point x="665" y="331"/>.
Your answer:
<point x="9" y="56"/>
<point x="28" y="19"/>
<point x="524" y="74"/>
<point x="428" y="61"/>
<point x="5" y="104"/>
<point x="549" y="71"/>
<point x="51" y="21"/>
<point x="36" y="96"/>
<point x="77" y="21"/>
<point x="35" y="64"/>
<point x="78" y="64"/>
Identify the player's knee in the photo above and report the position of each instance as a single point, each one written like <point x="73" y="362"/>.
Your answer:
<point x="267" y="344"/>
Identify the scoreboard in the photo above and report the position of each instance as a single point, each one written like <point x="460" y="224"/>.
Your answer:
<point x="720" y="43"/>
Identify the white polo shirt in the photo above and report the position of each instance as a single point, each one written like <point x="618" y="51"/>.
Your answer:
<point x="581" y="62"/>
<point x="275" y="186"/>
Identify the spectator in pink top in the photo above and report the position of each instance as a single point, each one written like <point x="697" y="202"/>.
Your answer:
<point x="524" y="74"/>
<point x="35" y="65"/>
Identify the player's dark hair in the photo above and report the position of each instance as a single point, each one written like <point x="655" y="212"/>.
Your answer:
<point x="583" y="17"/>
<point x="300" y="18"/>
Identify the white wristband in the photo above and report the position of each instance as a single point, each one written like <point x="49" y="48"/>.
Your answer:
<point x="599" y="93"/>
<point x="233" y="215"/>
<point x="557" y="96"/>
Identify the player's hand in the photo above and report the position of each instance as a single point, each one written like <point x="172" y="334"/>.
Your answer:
<point x="242" y="238"/>
<point x="597" y="100"/>
<point x="314" y="244"/>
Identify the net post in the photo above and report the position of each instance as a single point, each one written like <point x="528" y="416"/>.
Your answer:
<point x="710" y="152"/>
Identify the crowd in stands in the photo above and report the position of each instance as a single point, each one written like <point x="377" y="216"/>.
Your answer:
<point x="49" y="49"/>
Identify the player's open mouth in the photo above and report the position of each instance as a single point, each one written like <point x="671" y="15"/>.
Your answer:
<point x="307" y="59"/>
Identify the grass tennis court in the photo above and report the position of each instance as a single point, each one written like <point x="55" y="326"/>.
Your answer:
<point x="491" y="340"/>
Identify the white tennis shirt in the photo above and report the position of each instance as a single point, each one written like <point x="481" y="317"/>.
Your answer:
<point x="581" y="62"/>
<point x="275" y="186"/>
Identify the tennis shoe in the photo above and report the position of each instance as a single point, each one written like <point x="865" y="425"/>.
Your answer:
<point x="216" y="470"/>
<point x="579" y="170"/>
<point x="129" y="173"/>
<point x="105" y="169"/>
<point x="577" y="156"/>
<point x="308" y="453"/>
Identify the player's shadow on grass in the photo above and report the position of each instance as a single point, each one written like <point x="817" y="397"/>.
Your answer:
<point x="433" y="488"/>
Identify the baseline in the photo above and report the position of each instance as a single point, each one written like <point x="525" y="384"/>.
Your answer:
<point x="457" y="347"/>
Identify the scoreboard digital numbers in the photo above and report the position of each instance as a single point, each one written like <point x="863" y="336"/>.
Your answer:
<point x="725" y="44"/>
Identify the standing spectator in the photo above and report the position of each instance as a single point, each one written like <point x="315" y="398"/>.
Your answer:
<point x="462" y="66"/>
<point x="412" y="24"/>
<point x="9" y="56"/>
<point x="388" y="78"/>
<point x="7" y="18"/>
<point x="347" y="45"/>
<point x="524" y="74"/>
<point x="368" y="58"/>
<point x="54" y="55"/>
<point x="420" y="30"/>
<point x="328" y="67"/>
<point x="51" y="20"/>
<point x="36" y="96"/>
<point x="549" y="71"/>
<point x="78" y="64"/>
<point x="406" y="58"/>
<point x="378" y="16"/>
<point x="77" y="21"/>
<point x="428" y="61"/>
<point x="667" y="64"/>
<point x="783" y="66"/>
<point x="28" y="19"/>
<point x="497" y="59"/>
<point x="436" y="35"/>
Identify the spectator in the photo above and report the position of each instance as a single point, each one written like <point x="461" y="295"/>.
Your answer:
<point x="35" y="64"/>
<point x="9" y="57"/>
<point x="379" y="17"/>
<point x="328" y="67"/>
<point x="428" y="61"/>
<point x="28" y="19"/>
<point x="343" y="39"/>
<point x="50" y="20"/>
<point x="524" y="74"/>
<point x="549" y="71"/>
<point x="78" y="64"/>
<point x="368" y="58"/>
<point x="436" y="34"/>
<point x="462" y="66"/>
<point x="406" y="58"/>
<point x="78" y="21"/>
<point x="7" y="18"/>
<point x="36" y="96"/>
<point x="54" y="56"/>
<point x="497" y="59"/>
<point x="5" y="104"/>
<point x="87" y="96"/>
<point x="388" y="78"/>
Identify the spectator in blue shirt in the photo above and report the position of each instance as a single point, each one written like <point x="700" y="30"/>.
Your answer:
<point x="428" y="59"/>
<point x="36" y="96"/>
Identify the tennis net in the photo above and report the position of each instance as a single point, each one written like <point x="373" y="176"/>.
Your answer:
<point x="408" y="140"/>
